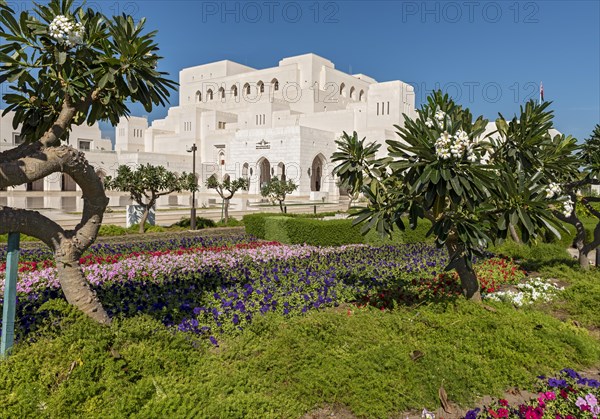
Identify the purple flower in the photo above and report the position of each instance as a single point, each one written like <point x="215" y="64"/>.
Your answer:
<point x="556" y="382"/>
<point x="213" y="341"/>
<point x="472" y="414"/>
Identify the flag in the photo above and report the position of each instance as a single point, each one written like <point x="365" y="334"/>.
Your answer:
<point x="541" y="92"/>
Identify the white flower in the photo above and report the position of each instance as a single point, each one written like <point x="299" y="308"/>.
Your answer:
<point x="568" y="208"/>
<point x="444" y="154"/>
<point x="429" y="123"/>
<point x="440" y="115"/>
<point x="65" y="31"/>
<point x="485" y="159"/>
<point x="471" y="157"/>
<point x="462" y="136"/>
<point x="552" y="190"/>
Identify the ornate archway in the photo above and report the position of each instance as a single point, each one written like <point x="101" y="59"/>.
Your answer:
<point x="264" y="166"/>
<point x="316" y="173"/>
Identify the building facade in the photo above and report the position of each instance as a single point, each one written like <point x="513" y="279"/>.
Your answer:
<point x="281" y="121"/>
<point x="255" y="123"/>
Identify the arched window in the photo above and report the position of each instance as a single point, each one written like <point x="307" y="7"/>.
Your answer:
<point x="264" y="167"/>
<point x="343" y="89"/>
<point x="281" y="171"/>
<point x="361" y="95"/>
<point x="275" y="84"/>
<point x="222" y="158"/>
<point x="316" y="173"/>
<point x="261" y="87"/>
<point x="234" y="91"/>
<point x="198" y="96"/>
<point x="222" y="93"/>
<point x="209" y="94"/>
<point x="352" y="93"/>
<point x="247" y="88"/>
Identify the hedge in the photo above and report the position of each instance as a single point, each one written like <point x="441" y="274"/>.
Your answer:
<point x="303" y="228"/>
<point x="292" y="230"/>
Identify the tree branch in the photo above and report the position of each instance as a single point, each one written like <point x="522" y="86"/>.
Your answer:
<point x="72" y="162"/>
<point x="31" y="223"/>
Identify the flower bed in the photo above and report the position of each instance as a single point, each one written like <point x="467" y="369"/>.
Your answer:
<point x="568" y="396"/>
<point x="213" y="290"/>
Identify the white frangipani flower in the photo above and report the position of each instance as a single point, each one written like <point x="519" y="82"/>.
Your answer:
<point x="66" y="31"/>
<point x="429" y="123"/>
<point x="440" y="115"/>
<point x="552" y="190"/>
<point x="568" y="208"/>
<point x="462" y="136"/>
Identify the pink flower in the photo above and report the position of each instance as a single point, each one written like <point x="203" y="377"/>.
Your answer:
<point x="550" y="395"/>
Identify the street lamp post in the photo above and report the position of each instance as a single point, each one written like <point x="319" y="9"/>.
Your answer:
<point x="193" y="211"/>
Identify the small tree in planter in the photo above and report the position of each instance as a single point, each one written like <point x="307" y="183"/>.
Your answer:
<point x="276" y="190"/>
<point x="443" y="169"/>
<point x="69" y="66"/>
<point x="226" y="189"/>
<point x="148" y="183"/>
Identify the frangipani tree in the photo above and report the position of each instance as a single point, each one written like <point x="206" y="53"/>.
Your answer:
<point x="277" y="189"/>
<point x="67" y="66"/>
<point x="148" y="183"/>
<point x="445" y="169"/>
<point x="226" y="189"/>
<point x="578" y="188"/>
<point x="355" y="159"/>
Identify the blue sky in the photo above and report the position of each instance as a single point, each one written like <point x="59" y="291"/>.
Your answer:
<point x="489" y="55"/>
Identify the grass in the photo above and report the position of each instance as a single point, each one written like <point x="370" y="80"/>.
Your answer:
<point x="281" y="367"/>
<point x="285" y="367"/>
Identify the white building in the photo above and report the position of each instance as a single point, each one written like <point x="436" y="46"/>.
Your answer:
<point x="280" y="121"/>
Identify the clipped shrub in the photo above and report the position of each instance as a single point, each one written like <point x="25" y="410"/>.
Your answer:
<point x="255" y="223"/>
<point x="409" y="235"/>
<point x="155" y="229"/>
<point x="112" y="230"/>
<point x="200" y="223"/>
<point x="232" y="222"/>
<point x="24" y="238"/>
<point x="295" y="230"/>
<point x="276" y="229"/>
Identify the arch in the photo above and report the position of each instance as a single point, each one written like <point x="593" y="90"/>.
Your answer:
<point x="234" y="91"/>
<point x="209" y="94"/>
<point x="67" y="184"/>
<point x="261" y="86"/>
<point x="361" y="95"/>
<point x="247" y="88"/>
<point x="198" y="96"/>
<point x="316" y="173"/>
<point x="352" y="93"/>
<point x="264" y="167"/>
<point x="281" y="171"/>
<point x="222" y="158"/>
<point x="343" y="90"/>
<point x="246" y="173"/>
<point x="222" y="92"/>
<point x="275" y="84"/>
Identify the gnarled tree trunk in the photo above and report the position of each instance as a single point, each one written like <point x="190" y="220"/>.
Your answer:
<point x="468" y="278"/>
<point x="30" y="162"/>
